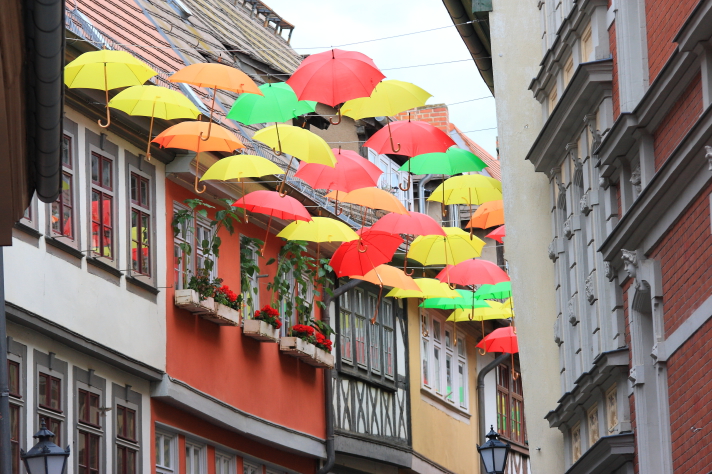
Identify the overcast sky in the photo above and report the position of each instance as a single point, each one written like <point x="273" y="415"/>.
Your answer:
<point x="323" y="23"/>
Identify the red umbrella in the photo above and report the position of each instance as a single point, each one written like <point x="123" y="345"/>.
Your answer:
<point x="498" y="234"/>
<point x="359" y="257"/>
<point x="501" y="340"/>
<point x="335" y="76"/>
<point x="473" y="272"/>
<point x="271" y="204"/>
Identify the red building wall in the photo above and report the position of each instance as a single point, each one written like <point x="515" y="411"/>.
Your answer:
<point x="437" y="116"/>
<point x="663" y="20"/>
<point x="240" y="371"/>
<point x="615" y="88"/>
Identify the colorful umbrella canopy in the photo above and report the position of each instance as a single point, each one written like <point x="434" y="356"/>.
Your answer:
<point x="189" y="136"/>
<point x="241" y="166"/>
<point x="106" y="70"/>
<point x="319" y="229"/>
<point x="473" y="272"/>
<point x="412" y="138"/>
<point x="454" y="161"/>
<point x="278" y="103"/>
<point x="455" y="247"/>
<point x="359" y="257"/>
<point x="413" y="223"/>
<point x="479" y="314"/>
<point x="498" y="234"/>
<point x="387" y="275"/>
<point x="489" y="214"/>
<point x="335" y="76"/>
<point x="429" y="288"/>
<point x="500" y="340"/>
<point x="497" y="291"/>
<point x="465" y="300"/>
<point x="298" y="142"/>
<point x="372" y="198"/>
<point x="351" y="172"/>
<point x="389" y="97"/>
<point x="467" y="189"/>
<point x="154" y="102"/>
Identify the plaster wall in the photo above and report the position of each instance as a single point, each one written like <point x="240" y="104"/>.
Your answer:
<point x="78" y="296"/>
<point x="516" y="53"/>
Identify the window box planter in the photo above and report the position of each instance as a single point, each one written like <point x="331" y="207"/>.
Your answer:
<point x="190" y="301"/>
<point x="223" y="316"/>
<point x="309" y="353"/>
<point x="322" y="359"/>
<point x="260" y="330"/>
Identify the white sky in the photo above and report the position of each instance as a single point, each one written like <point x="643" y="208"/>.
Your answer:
<point x="323" y="23"/>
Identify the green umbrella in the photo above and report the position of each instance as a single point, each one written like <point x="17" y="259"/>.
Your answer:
<point x="498" y="291"/>
<point x="465" y="300"/>
<point x="278" y="104"/>
<point x="454" y="161"/>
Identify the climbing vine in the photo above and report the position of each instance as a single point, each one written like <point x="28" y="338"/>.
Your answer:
<point x="249" y="268"/>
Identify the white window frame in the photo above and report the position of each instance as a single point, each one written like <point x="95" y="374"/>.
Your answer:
<point x="202" y="458"/>
<point x="178" y="239"/>
<point x="255" y="282"/>
<point x="258" y="468"/>
<point x="224" y="457"/>
<point x="172" y="440"/>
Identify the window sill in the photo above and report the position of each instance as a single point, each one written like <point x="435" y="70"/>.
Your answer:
<point x="516" y="446"/>
<point x="108" y="268"/>
<point x="62" y="245"/>
<point x="31" y="231"/>
<point x="450" y="407"/>
<point x="144" y="285"/>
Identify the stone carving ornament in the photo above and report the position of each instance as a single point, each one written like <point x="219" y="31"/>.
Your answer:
<point x="585" y="203"/>
<point x="630" y="262"/>
<point x="572" y="313"/>
<point x="635" y="180"/>
<point x="552" y="250"/>
<point x="568" y="233"/>
<point x="590" y="292"/>
<point x="608" y="271"/>
<point x="708" y="155"/>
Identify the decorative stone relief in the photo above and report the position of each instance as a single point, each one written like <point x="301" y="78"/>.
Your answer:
<point x="593" y="433"/>
<point x="630" y="262"/>
<point x="637" y="375"/>
<point x="552" y="250"/>
<point x="590" y="290"/>
<point x="585" y="203"/>
<point x="558" y="339"/>
<point x="635" y="180"/>
<point x="572" y="313"/>
<point x="604" y="182"/>
<point x="608" y="271"/>
<point x="568" y="232"/>
<point x="612" y="409"/>
<point x="708" y="155"/>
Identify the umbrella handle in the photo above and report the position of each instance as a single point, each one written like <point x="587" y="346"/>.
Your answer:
<point x="390" y="137"/>
<point x="515" y="374"/>
<point x="361" y="244"/>
<point x="481" y="351"/>
<point x="338" y="114"/>
<point x="400" y="186"/>
<point x="197" y="170"/>
<point x="280" y="190"/>
<point x="210" y="122"/>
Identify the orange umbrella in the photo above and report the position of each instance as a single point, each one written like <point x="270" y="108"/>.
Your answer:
<point x="373" y="198"/>
<point x="189" y="136"/>
<point x="216" y="76"/>
<point x="489" y="214"/>
<point x="387" y="275"/>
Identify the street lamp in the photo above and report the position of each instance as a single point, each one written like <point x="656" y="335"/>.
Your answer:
<point x="45" y="457"/>
<point x="494" y="453"/>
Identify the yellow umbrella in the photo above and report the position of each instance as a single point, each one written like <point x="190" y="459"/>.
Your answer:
<point x="467" y="189"/>
<point x="106" y="70"/>
<point x="154" y="101"/>
<point x="455" y="247"/>
<point x="319" y="229"/>
<point x="390" y="97"/>
<point x="429" y="288"/>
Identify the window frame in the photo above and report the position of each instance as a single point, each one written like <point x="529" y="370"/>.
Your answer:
<point x="87" y="381"/>
<point x="202" y="457"/>
<point x="254" y="280"/>
<point x="512" y="395"/>
<point x="16" y="356"/>
<point x="126" y="398"/>
<point x="49" y="364"/>
<point x="172" y="443"/>
<point x="142" y="210"/>
<point x="111" y="193"/>
<point x="191" y="238"/>
<point x="231" y="461"/>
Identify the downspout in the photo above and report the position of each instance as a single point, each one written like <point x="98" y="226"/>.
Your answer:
<point x="481" y="392"/>
<point x="421" y="192"/>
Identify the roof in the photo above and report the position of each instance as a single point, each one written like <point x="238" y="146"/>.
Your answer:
<point x="492" y="163"/>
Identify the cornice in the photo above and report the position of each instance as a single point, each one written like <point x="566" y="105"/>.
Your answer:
<point x="607" y="455"/>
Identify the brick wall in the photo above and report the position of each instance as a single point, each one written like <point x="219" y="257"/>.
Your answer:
<point x="436" y="115"/>
<point x="663" y="20"/>
<point x="690" y="395"/>
<point x="615" y="94"/>
<point x="685" y="255"/>
<point x="678" y="121"/>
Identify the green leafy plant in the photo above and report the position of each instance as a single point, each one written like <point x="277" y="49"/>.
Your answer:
<point x="249" y="268"/>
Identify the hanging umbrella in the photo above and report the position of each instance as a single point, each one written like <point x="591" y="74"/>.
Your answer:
<point x="390" y="97"/>
<point x="489" y="214"/>
<point x="239" y="167"/>
<point x="453" y="161"/>
<point x="188" y="136"/>
<point x="216" y="76"/>
<point x="359" y="257"/>
<point x="278" y="103"/>
<point x="154" y="102"/>
<point x="498" y="234"/>
<point x="335" y="76"/>
<point x="498" y="291"/>
<point x="371" y="198"/>
<point x="387" y="275"/>
<point x="482" y="313"/>
<point x="467" y="189"/>
<point x="473" y="272"/>
<point x="319" y="229"/>
<point x="501" y="340"/>
<point x="455" y="247"/>
<point x="272" y="204"/>
<point x="429" y="288"/>
<point x="465" y="300"/>
<point x="106" y="70"/>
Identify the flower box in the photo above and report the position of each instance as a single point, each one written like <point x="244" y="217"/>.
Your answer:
<point x="260" y="330"/>
<point x="223" y="316"/>
<point x="190" y="301"/>
<point x="321" y="359"/>
<point x="295" y="347"/>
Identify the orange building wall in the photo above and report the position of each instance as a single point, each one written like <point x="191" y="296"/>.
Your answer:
<point x="218" y="360"/>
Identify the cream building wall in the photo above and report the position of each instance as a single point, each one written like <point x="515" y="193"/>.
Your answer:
<point x="516" y="53"/>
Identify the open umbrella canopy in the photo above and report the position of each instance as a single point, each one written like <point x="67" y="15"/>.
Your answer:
<point x="387" y="275"/>
<point x="373" y="198"/>
<point x="467" y="189"/>
<point x="298" y="142"/>
<point x="498" y="234"/>
<point x="473" y="272"/>
<point x="278" y="103"/>
<point x="335" y="76"/>
<point x="359" y="257"/>
<point x="241" y="166"/>
<point x="319" y="229"/>
<point x="489" y="214"/>
<point x="455" y="247"/>
<point x="465" y="300"/>
<point x="479" y="314"/>
<point x="413" y="223"/>
<point x="454" y="161"/>
<point x="186" y="135"/>
<point x="154" y="101"/>
<point x="409" y="138"/>
<point x="216" y="76"/>
<point x="389" y="98"/>
<point x="429" y="288"/>
<point x="500" y="340"/>
<point x="271" y="204"/>
<point x="106" y="70"/>
<point x="498" y="291"/>
<point x="351" y="172"/>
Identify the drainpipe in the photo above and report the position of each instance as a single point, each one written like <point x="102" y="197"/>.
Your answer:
<point x="481" y="392"/>
<point x="421" y="192"/>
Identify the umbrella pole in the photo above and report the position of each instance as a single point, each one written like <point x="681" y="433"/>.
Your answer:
<point x="408" y="185"/>
<point x="264" y="245"/>
<point x="390" y="136"/>
<point x="336" y="205"/>
<point x="471" y="225"/>
<point x="197" y="170"/>
<point x="280" y="189"/>
<point x="210" y="122"/>
<point x="378" y="301"/>
<point x="150" y="132"/>
<point x="242" y="182"/>
<point x="279" y="141"/>
<point x="108" y="113"/>
<point x="444" y="209"/>
<point x="515" y="374"/>
<point x="405" y="259"/>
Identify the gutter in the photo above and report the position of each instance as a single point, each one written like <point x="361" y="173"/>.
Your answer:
<point x="481" y="392"/>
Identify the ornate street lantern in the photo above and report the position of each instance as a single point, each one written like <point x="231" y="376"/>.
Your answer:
<point x="494" y="453"/>
<point x="45" y="457"/>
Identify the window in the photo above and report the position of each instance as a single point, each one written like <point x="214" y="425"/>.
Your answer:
<point x="62" y="219"/>
<point x="568" y="70"/>
<point x="89" y="432"/>
<point x="224" y="464"/>
<point x="249" y="468"/>
<point x="552" y="100"/>
<point x="165" y="453"/>
<point x="388" y="338"/>
<point x="346" y="332"/>
<point x="50" y="393"/>
<point x="510" y="406"/>
<point x="88" y="446"/>
<point x="126" y="455"/>
<point x="250" y="282"/>
<point x="612" y="408"/>
<point x="576" y="442"/>
<point x="587" y="45"/>
<point x="593" y="433"/>
<point x="181" y="260"/>
<point x="102" y="212"/>
<point x="203" y="233"/>
<point x="444" y="362"/>
<point x="194" y="459"/>
<point x="88" y="410"/>
<point x="15" y="396"/>
<point x="360" y="328"/>
<point x="140" y="225"/>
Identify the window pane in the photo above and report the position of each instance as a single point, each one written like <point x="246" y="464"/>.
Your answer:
<point x="388" y="351"/>
<point x="167" y="457"/>
<point x="375" y="343"/>
<point x="120" y="418"/>
<point x="15" y="438"/>
<point x="360" y="331"/>
<point x="14" y="377"/>
<point x="436" y="367"/>
<point x="144" y="193"/>
<point x="82" y="406"/>
<point x="55" y="426"/>
<point x="425" y="356"/>
<point x="462" y="383"/>
<point x="159" y="450"/>
<point x="436" y="330"/>
<point x="460" y="347"/>
<point x="43" y="390"/>
<point x="93" y="452"/>
<point x="67" y="223"/>
<point x="66" y="151"/>
<point x="95" y="168"/>
<point x="130" y="461"/>
<point x="55" y="394"/>
<point x="134" y="241"/>
<point x="448" y="339"/>
<point x="448" y="376"/>
<point x="82" y="449"/>
<point x="55" y="217"/>
<point x="106" y="173"/>
<point x="131" y="424"/>
<point x="346" y="348"/>
<point x="134" y="188"/>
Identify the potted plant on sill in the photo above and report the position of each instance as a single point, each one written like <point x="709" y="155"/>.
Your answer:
<point x="265" y="325"/>
<point x="227" y="305"/>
